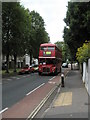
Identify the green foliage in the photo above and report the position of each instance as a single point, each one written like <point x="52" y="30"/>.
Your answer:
<point x="77" y="28"/>
<point x="65" y="51"/>
<point x="38" y="33"/>
<point x="22" y="31"/>
<point x="13" y="28"/>
<point x="83" y="53"/>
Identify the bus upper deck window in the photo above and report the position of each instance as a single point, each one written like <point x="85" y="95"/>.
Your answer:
<point x="51" y="48"/>
<point x="43" y="48"/>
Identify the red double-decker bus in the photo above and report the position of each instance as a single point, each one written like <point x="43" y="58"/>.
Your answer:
<point x="50" y="59"/>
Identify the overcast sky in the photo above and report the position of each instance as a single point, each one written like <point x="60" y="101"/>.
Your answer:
<point x="53" y="12"/>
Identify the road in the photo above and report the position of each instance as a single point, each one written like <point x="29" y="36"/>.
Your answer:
<point x="16" y="88"/>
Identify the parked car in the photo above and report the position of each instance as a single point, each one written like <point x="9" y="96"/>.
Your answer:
<point x="65" y="65"/>
<point x="35" y="68"/>
<point x="32" y="69"/>
<point x="26" y="69"/>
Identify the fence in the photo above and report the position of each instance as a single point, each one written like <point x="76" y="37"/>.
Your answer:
<point x="86" y="75"/>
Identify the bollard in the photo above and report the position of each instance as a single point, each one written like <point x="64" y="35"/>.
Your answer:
<point x="62" y="80"/>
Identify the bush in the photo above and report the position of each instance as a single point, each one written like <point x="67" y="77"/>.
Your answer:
<point x="83" y="53"/>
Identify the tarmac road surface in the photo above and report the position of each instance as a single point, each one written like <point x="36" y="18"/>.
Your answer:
<point x="16" y="88"/>
<point x="25" y="106"/>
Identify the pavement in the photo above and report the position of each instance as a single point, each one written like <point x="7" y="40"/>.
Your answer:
<point x="71" y="100"/>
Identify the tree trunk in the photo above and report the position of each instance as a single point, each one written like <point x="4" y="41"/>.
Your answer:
<point x="82" y="69"/>
<point x="7" y="63"/>
<point x="15" y="61"/>
<point x="30" y="58"/>
<point x="78" y="66"/>
<point x="7" y="49"/>
<point x="71" y="65"/>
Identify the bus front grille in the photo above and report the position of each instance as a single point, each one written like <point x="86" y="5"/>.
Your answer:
<point x="46" y="69"/>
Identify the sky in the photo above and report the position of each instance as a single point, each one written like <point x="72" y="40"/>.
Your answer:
<point x="53" y="12"/>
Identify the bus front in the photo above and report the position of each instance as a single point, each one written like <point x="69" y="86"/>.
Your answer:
<point x="47" y="62"/>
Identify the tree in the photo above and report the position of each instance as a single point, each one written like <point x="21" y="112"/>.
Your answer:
<point x="6" y="30"/>
<point x="22" y="32"/>
<point x="65" y="51"/>
<point x="38" y="34"/>
<point x="18" y="32"/>
<point x="77" y="26"/>
<point x="13" y="30"/>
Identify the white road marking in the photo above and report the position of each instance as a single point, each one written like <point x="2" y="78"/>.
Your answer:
<point x="35" y="89"/>
<point x="52" y="82"/>
<point x="35" y="73"/>
<point x="28" y="75"/>
<point x="58" y="90"/>
<point x="9" y="79"/>
<point x="17" y="78"/>
<point x="13" y="77"/>
<point x="23" y="76"/>
<point x="52" y="78"/>
<point x="3" y="110"/>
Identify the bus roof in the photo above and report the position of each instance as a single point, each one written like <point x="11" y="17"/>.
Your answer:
<point x="47" y="44"/>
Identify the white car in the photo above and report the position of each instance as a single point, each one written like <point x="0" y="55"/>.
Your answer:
<point x="65" y="65"/>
